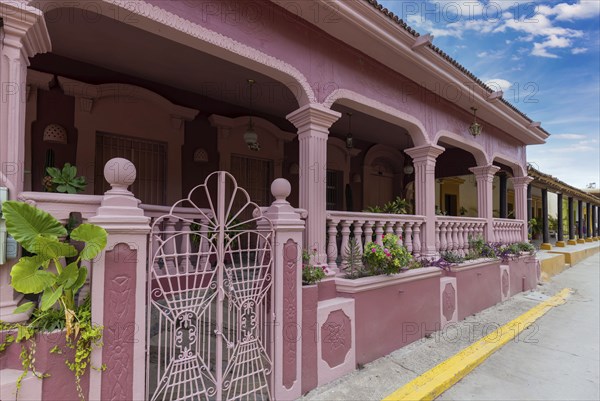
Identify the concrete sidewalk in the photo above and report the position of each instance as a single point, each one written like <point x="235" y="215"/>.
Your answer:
<point x="577" y="342"/>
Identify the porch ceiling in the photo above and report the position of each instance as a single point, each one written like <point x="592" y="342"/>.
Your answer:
<point x="123" y="48"/>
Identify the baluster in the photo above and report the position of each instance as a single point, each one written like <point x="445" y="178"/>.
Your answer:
<point x="455" y="243"/>
<point x="379" y="232"/>
<point x="332" y="250"/>
<point x="398" y="233"/>
<point x="345" y="240"/>
<point x="459" y="238"/>
<point x="368" y="232"/>
<point x="437" y="236"/>
<point x="408" y="237"/>
<point x="389" y="228"/>
<point x="204" y="246"/>
<point x="465" y="234"/>
<point x="186" y="247"/>
<point x="358" y="235"/>
<point x="154" y="245"/>
<point x="443" y="242"/>
<point x="169" y="246"/>
<point x="417" y="240"/>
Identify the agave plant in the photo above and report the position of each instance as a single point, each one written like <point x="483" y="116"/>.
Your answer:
<point x="65" y="180"/>
<point x="43" y="236"/>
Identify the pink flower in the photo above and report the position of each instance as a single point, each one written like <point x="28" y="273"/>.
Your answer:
<point x="373" y="250"/>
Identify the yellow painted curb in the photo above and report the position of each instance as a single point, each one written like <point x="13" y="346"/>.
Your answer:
<point x="435" y="381"/>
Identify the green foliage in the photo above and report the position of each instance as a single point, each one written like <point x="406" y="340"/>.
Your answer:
<point x="65" y="180"/>
<point x="452" y="257"/>
<point x="397" y="206"/>
<point x="388" y="258"/>
<point x="535" y="226"/>
<point x="38" y="232"/>
<point x="353" y="259"/>
<point x="311" y="274"/>
<point x="42" y="235"/>
<point x="526" y="247"/>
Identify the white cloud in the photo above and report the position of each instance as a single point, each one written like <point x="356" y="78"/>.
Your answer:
<point x="567" y="12"/>
<point x="482" y="54"/>
<point x="553" y="42"/>
<point x="499" y="84"/>
<point x="579" y="50"/>
<point x="568" y="136"/>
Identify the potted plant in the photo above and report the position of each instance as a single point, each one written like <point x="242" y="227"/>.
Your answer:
<point x="64" y="180"/>
<point x="44" y="272"/>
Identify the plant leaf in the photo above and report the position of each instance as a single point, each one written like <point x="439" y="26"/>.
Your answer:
<point x="24" y="307"/>
<point x="94" y="238"/>
<point x="50" y="297"/>
<point x="52" y="248"/>
<point x="25" y="222"/>
<point x="69" y="275"/>
<point x="83" y="272"/>
<point x="27" y="276"/>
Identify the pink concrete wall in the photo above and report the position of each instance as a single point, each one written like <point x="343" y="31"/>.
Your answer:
<point x="391" y="317"/>
<point x="329" y="64"/>
<point x="523" y="274"/>
<point x="60" y="385"/>
<point x="478" y="288"/>
<point x="327" y="289"/>
<point x="309" y="337"/>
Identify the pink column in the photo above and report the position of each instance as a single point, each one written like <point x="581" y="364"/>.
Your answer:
<point x="520" y="186"/>
<point x="119" y="290"/>
<point x="313" y="122"/>
<point x="24" y="35"/>
<point x="424" y="158"/>
<point x="485" y="201"/>
<point x="287" y="287"/>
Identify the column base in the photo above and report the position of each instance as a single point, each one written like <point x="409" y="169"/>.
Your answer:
<point x="546" y="246"/>
<point x="560" y="244"/>
<point x="571" y="242"/>
<point x="588" y="240"/>
<point x="581" y="241"/>
<point x="596" y="239"/>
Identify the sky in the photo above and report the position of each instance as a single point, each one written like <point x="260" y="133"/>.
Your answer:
<point x="544" y="55"/>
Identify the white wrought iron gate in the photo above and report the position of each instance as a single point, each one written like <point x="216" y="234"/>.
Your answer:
<point x="209" y="296"/>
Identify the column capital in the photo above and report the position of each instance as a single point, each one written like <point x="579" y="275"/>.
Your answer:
<point x="484" y="172"/>
<point x="521" y="181"/>
<point x="313" y="117"/>
<point x="25" y="28"/>
<point x="424" y="152"/>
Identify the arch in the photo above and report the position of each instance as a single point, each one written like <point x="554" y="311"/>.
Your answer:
<point x="153" y="19"/>
<point x="461" y="142"/>
<point x="519" y="170"/>
<point x="362" y="103"/>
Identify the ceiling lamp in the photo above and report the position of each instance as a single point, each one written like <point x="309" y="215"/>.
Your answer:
<point x="55" y="133"/>
<point x="349" y="140"/>
<point x="250" y="136"/>
<point x="408" y="168"/>
<point x="475" y="127"/>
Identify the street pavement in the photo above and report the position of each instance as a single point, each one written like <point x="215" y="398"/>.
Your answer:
<point x="557" y="358"/>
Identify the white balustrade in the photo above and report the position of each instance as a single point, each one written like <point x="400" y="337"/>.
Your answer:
<point x="454" y="233"/>
<point x="508" y="230"/>
<point x="341" y="225"/>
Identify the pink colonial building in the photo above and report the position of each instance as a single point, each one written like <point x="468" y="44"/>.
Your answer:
<point x="342" y="99"/>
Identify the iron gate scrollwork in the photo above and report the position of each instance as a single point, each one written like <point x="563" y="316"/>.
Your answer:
<point x="210" y="323"/>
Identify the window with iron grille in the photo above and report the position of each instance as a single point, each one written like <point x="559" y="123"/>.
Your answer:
<point x="255" y="176"/>
<point x="149" y="158"/>
<point x="334" y="195"/>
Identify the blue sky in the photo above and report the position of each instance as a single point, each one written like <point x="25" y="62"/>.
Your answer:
<point x="544" y="55"/>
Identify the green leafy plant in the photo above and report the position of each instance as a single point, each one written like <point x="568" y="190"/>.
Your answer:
<point x="311" y="274"/>
<point x="397" y="206"/>
<point x="353" y="259"/>
<point x="535" y="227"/>
<point x="388" y="258"/>
<point x="452" y="257"/>
<point x="64" y="180"/>
<point x="43" y="237"/>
